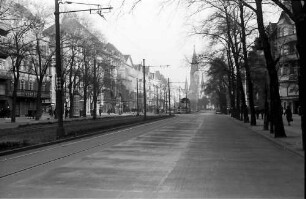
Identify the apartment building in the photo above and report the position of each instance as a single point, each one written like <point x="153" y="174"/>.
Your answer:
<point x="283" y="39"/>
<point x="16" y="59"/>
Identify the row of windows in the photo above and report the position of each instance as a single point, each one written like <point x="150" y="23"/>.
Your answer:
<point x="23" y="85"/>
<point x="287" y="30"/>
<point x="289" y="69"/>
<point x="2" y="64"/>
<point x="289" y="48"/>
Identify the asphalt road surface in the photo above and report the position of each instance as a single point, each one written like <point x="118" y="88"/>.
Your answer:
<point x="190" y="156"/>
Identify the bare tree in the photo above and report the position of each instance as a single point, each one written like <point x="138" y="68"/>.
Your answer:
<point x="41" y="55"/>
<point x="277" y="126"/>
<point x="18" y="43"/>
<point x="41" y="58"/>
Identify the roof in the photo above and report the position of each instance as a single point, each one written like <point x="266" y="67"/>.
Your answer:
<point x="69" y="25"/>
<point x="285" y="17"/>
<point x="110" y="47"/>
<point x="128" y="57"/>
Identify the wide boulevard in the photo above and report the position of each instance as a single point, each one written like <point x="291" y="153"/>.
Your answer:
<point x="201" y="155"/>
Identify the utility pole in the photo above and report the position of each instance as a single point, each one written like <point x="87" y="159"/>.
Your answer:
<point x="169" y="97"/>
<point x="144" y="90"/>
<point x="165" y="100"/>
<point x="186" y="102"/>
<point x="137" y="98"/>
<point x="60" y="131"/>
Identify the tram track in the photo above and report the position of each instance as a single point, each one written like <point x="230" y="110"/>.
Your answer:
<point x="40" y="135"/>
<point x="75" y="147"/>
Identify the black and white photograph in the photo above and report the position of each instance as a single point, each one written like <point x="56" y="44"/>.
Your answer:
<point x="153" y="99"/>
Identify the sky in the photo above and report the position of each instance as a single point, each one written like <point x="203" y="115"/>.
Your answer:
<point x="159" y="35"/>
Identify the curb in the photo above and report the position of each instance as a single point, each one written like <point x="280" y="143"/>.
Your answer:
<point x="103" y="131"/>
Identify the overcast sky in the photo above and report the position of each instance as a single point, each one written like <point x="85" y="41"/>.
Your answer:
<point x="161" y="36"/>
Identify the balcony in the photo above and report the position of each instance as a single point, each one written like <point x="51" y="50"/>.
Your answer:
<point x="30" y="94"/>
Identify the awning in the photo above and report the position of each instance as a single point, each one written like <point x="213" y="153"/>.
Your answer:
<point x="4" y="29"/>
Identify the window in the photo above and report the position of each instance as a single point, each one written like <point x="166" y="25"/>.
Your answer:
<point x="22" y="85"/>
<point x="1" y="65"/>
<point x="291" y="30"/>
<point x="2" y="89"/>
<point x="285" y="49"/>
<point x="289" y="48"/>
<point x="43" y="87"/>
<point x="284" y="69"/>
<point x="291" y="70"/>
<point x="286" y="31"/>
<point x="280" y="32"/>
<point x="30" y="85"/>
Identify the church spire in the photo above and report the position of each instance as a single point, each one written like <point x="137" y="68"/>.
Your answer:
<point x="194" y="56"/>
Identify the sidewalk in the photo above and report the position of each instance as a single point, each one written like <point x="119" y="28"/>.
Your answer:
<point x="293" y="141"/>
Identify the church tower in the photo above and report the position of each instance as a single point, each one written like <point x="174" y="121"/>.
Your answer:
<point x="194" y="88"/>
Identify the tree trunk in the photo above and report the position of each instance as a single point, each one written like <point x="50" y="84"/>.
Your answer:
<point x="85" y="102"/>
<point x="231" y="83"/>
<point x="276" y="114"/>
<point x="38" y="102"/>
<point x="266" y="111"/>
<point x="95" y="91"/>
<point x="236" y="60"/>
<point x="299" y="12"/>
<point x="16" y="67"/>
<point x="244" y="107"/>
<point x="13" y="113"/>
<point x="71" y="98"/>
<point x="247" y="67"/>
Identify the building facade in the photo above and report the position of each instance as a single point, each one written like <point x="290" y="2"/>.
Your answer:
<point x="283" y="40"/>
<point x="22" y="71"/>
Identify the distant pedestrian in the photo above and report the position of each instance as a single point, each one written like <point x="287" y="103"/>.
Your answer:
<point x="66" y="112"/>
<point x="288" y="114"/>
<point x="283" y="110"/>
<point x="50" y="112"/>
